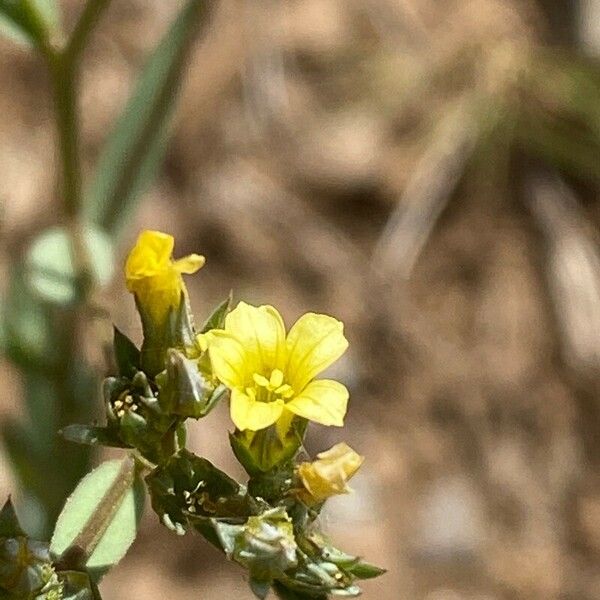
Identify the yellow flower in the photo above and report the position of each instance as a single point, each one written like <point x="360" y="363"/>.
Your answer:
<point x="329" y="474"/>
<point x="154" y="277"/>
<point x="271" y="376"/>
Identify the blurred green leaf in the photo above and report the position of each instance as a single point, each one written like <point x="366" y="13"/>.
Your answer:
<point x="28" y="336"/>
<point x="134" y="150"/>
<point x="22" y="457"/>
<point x="52" y="270"/>
<point x="28" y="21"/>
<point x="42" y="404"/>
<point x="101" y="517"/>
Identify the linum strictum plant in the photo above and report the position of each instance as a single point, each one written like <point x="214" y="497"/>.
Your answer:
<point x="269" y="524"/>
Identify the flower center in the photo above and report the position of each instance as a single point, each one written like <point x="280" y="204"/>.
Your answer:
<point x="125" y="403"/>
<point x="271" y="389"/>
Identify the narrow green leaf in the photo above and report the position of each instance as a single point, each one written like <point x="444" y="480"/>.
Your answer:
<point x="133" y="152"/>
<point x="100" y="519"/>
<point x="27" y="328"/>
<point x="28" y="21"/>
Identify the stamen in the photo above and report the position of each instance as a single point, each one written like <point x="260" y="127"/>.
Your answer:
<point x="276" y="379"/>
<point x="260" y="380"/>
<point x="285" y="391"/>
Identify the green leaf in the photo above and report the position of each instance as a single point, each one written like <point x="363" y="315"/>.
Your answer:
<point x="91" y="435"/>
<point x="54" y="273"/>
<point x="134" y="150"/>
<point x="9" y="523"/>
<point x="127" y="355"/>
<point x="28" y="21"/>
<point x="217" y="318"/>
<point x="99" y="521"/>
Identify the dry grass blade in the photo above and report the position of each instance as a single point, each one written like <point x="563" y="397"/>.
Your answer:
<point x="573" y="268"/>
<point x="426" y="194"/>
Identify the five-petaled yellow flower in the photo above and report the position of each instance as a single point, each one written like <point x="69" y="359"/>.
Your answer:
<point x="271" y="376"/>
<point x="329" y="474"/>
<point x="154" y="277"/>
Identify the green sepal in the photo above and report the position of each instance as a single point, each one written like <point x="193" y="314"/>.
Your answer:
<point x="127" y="355"/>
<point x="285" y="593"/>
<point x="364" y="570"/>
<point x="135" y="417"/>
<point x="77" y="585"/>
<point x="264" y="544"/>
<point x="216" y="320"/>
<point x="26" y="569"/>
<point x="175" y="331"/>
<point x="184" y="391"/>
<point x="259" y="587"/>
<point x="262" y="451"/>
<point x="227" y="534"/>
<point x="9" y="523"/>
<point x="188" y="488"/>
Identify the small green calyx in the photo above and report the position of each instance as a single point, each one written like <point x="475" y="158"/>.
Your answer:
<point x="187" y="490"/>
<point x="183" y="390"/>
<point x="265" y="544"/>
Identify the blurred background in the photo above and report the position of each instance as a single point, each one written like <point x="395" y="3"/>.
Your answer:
<point x="425" y="170"/>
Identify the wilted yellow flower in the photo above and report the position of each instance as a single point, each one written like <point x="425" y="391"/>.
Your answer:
<point x="154" y="277"/>
<point x="271" y="376"/>
<point x="329" y="474"/>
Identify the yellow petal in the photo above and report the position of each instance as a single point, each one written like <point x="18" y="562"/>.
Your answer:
<point x="189" y="264"/>
<point x="229" y="359"/>
<point x="329" y="474"/>
<point x="247" y="413"/>
<point x="323" y="401"/>
<point x="150" y="255"/>
<point x="313" y="343"/>
<point x="153" y="276"/>
<point x="261" y="331"/>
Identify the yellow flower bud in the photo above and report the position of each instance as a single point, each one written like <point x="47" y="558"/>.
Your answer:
<point x="329" y="474"/>
<point x="154" y="277"/>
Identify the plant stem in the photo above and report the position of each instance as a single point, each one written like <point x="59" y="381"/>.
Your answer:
<point x="64" y="70"/>
<point x="65" y="101"/>
<point x="87" y="21"/>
